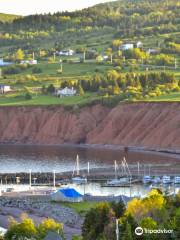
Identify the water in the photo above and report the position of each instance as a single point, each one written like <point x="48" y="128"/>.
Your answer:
<point x="14" y="159"/>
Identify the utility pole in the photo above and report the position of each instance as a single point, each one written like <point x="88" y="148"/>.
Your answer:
<point x="88" y="168"/>
<point x="84" y="56"/>
<point x="54" y="179"/>
<point x="117" y="229"/>
<point x="30" y="178"/>
<point x="111" y="58"/>
<point x="0" y="73"/>
<point x="138" y="170"/>
<point x="175" y="64"/>
<point x="33" y="56"/>
<point x="54" y="56"/>
<point x="61" y="69"/>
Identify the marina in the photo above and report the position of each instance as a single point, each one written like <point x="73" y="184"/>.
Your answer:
<point x="91" y="171"/>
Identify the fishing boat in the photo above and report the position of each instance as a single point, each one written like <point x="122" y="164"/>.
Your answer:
<point x="78" y="179"/>
<point x="156" y="180"/>
<point x="147" y="179"/>
<point x="124" y="180"/>
<point x="166" y="179"/>
<point x="177" y="180"/>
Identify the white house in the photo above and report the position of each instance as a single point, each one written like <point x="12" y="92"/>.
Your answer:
<point x="65" y="92"/>
<point x="127" y="46"/>
<point x="68" y="52"/>
<point x="4" y="89"/>
<point x="2" y="231"/>
<point x="2" y="63"/>
<point x="152" y="51"/>
<point x="30" y="62"/>
<point x="139" y="44"/>
<point x="66" y="195"/>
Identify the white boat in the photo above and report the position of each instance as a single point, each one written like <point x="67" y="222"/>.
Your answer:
<point x="177" y="180"/>
<point x="119" y="182"/>
<point x="147" y="179"/>
<point x="156" y="180"/>
<point x="124" y="179"/>
<point x="78" y="179"/>
<point x="166" y="179"/>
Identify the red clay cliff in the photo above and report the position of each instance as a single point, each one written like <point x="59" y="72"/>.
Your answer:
<point x="151" y="125"/>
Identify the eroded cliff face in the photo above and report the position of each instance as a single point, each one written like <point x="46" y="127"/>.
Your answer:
<point x="152" y="125"/>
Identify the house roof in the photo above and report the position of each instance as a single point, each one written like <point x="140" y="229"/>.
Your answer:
<point x="53" y="236"/>
<point x="70" y="192"/>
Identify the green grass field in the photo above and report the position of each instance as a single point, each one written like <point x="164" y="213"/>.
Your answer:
<point x="82" y="207"/>
<point x="171" y="97"/>
<point x="14" y="100"/>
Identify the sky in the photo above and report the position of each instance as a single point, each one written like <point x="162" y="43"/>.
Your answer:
<point x="26" y="7"/>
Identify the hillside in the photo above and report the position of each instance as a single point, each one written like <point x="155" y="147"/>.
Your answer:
<point x="95" y="26"/>
<point x="148" y="125"/>
<point x="5" y="18"/>
<point x="113" y="52"/>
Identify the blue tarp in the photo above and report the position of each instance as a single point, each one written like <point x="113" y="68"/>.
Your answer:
<point x="70" y="193"/>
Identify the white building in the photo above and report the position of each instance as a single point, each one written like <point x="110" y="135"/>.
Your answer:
<point x="68" y="52"/>
<point x="4" y="89"/>
<point x="127" y="46"/>
<point x="30" y="62"/>
<point x="65" y="92"/>
<point x="2" y="231"/>
<point x="139" y="44"/>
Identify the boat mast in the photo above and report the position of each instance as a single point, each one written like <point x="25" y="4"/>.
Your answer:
<point x="127" y="167"/>
<point x="88" y="168"/>
<point x="77" y="165"/>
<point x="138" y="169"/>
<point x="115" y="168"/>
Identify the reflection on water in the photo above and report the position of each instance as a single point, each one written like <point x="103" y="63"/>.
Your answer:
<point x="15" y="158"/>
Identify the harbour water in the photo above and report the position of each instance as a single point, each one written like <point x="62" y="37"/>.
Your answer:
<point x="22" y="158"/>
<point x="43" y="159"/>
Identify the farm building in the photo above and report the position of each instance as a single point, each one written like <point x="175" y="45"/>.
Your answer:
<point x="30" y="62"/>
<point x="127" y="46"/>
<point x="2" y="231"/>
<point x="4" y="89"/>
<point x="68" y="52"/>
<point x="66" y="195"/>
<point x="2" y="63"/>
<point x="65" y="92"/>
<point x="139" y="44"/>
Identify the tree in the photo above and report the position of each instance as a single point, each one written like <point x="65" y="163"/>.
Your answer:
<point x="95" y="222"/>
<point x="127" y="234"/>
<point x="24" y="229"/>
<point x="80" y="90"/>
<point x="49" y="225"/>
<point x="28" y="96"/>
<point x="117" y="43"/>
<point x="50" y="89"/>
<point x="99" y="59"/>
<point x="148" y="223"/>
<point x="19" y="55"/>
<point x="118" y="208"/>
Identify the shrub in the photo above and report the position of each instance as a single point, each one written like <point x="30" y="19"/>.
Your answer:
<point x="36" y="70"/>
<point x="28" y="96"/>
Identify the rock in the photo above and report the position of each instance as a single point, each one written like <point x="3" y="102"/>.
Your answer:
<point x="150" y="125"/>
